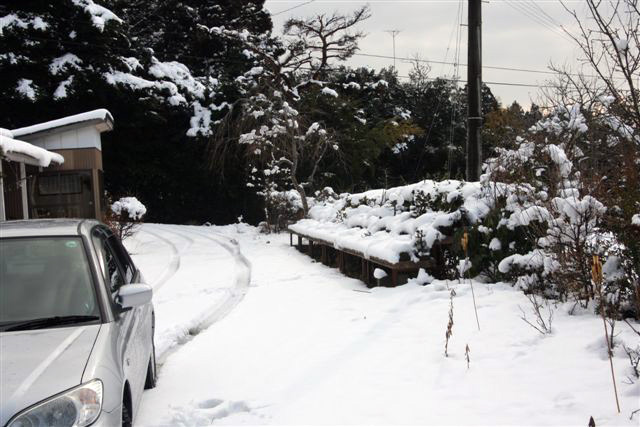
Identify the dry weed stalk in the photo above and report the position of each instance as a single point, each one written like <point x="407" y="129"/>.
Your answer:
<point x="633" y="353"/>
<point x="465" y="244"/>
<point x="467" y="351"/>
<point x="596" y="275"/>
<point x="449" y="331"/>
<point x="543" y="326"/>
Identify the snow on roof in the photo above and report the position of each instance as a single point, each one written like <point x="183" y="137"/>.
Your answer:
<point x="20" y="151"/>
<point x="384" y="224"/>
<point x="98" y="116"/>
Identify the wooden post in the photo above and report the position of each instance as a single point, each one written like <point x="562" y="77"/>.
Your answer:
<point x="23" y="188"/>
<point x="310" y="248"/>
<point x="394" y="277"/>
<point x="290" y="239"/>
<point x="323" y="254"/>
<point x="3" y="215"/>
<point x="474" y="91"/>
<point x="299" y="242"/>
<point x="341" y="261"/>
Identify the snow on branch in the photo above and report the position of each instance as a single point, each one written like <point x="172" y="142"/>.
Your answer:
<point x="100" y="15"/>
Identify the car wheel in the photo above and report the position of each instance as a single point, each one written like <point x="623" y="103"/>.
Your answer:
<point x="126" y="415"/>
<point x="150" y="381"/>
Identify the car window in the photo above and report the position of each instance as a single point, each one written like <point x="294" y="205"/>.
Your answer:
<point x="111" y="270"/>
<point x="43" y="277"/>
<point x="123" y="257"/>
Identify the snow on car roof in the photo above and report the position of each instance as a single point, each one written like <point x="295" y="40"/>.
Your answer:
<point x="45" y="227"/>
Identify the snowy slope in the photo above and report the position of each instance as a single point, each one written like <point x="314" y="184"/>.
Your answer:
<point x="306" y="345"/>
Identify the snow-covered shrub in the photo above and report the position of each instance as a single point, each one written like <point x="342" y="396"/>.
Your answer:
<point x="327" y="193"/>
<point x="490" y="241"/>
<point x="281" y="209"/>
<point x="424" y="202"/>
<point x="549" y="192"/>
<point x="385" y="224"/>
<point x="281" y="206"/>
<point x="542" y="193"/>
<point x="124" y="216"/>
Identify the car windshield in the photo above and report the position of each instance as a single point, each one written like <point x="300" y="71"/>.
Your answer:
<point x="45" y="278"/>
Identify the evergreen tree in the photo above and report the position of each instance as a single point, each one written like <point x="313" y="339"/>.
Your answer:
<point x="72" y="56"/>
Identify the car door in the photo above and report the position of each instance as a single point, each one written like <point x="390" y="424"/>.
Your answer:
<point x="141" y="329"/>
<point x="131" y="341"/>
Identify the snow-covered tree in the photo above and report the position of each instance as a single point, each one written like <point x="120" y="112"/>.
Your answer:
<point x="70" y="56"/>
<point x="296" y="109"/>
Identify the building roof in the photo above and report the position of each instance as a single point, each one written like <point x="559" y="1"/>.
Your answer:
<point x="101" y="119"/>
<point x="20" y="151"/>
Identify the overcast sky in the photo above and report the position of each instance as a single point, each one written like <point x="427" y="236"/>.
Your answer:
<point x="521" y="34"/>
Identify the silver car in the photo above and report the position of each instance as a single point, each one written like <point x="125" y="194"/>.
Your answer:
<point x="76" y="326"/>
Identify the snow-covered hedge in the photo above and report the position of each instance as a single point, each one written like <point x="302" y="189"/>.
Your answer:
<point x="535" y="219"/>
<point x="398" y="223"/>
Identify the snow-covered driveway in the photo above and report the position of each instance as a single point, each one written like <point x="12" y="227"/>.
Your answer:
<point x="198" y="277"/>
<point x="309" y="346"/>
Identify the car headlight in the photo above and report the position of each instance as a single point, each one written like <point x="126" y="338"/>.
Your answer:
<point x="79" y="407"/>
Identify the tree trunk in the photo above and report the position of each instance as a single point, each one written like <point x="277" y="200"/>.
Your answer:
<point x="303" y="195"/>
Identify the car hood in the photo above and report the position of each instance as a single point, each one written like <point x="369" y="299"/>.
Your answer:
<point x="38" y="364"/>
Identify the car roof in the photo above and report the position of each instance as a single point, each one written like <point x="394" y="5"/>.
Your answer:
<point x="46" y="227"/>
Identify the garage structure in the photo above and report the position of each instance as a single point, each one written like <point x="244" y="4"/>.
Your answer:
<point x="73" y="188"/>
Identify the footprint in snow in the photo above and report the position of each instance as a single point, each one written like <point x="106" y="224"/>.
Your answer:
<point x="205" y="412"/>
<point x="564" y="401"/>
<point x="210" y="404"/>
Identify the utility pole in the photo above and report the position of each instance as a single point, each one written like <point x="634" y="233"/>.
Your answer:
<point x="474" y="91"/>
<point x="394" y="33"/>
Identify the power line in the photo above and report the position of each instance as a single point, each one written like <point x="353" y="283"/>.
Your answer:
<point x="456" y="69"/>
<point x="85" y="45"/>
<point x="519" y="6"/>
<point x="484" y="82"/>
<point x="292" y="8"/>
<point x="522" y="70"/>
<point x="457" y="26"/>
<point x="372" y="55"/>
<point x="551" y="18"/>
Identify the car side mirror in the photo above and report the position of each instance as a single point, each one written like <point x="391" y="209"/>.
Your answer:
<point x="134" y="295"/>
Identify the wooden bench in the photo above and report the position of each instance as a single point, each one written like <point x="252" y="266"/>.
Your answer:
<point x="345" y="259"/>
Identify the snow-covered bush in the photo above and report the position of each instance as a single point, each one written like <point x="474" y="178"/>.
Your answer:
<point x="386" y="224"/>
<point x="281" y="206"/>
<point x="124" y="216"/>
<point x="543" y="208"/>
<point x="281" y="209"/>
<point x="549" y="189"/>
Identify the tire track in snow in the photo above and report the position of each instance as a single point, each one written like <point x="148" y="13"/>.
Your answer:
<point x="235" y="294"/>
<point x="174" y="263"/>
<point x="242" y="279"/>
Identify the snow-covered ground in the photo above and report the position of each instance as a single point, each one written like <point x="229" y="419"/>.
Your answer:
<point x="249" y="331"/>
